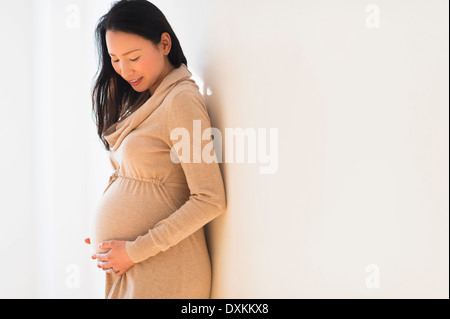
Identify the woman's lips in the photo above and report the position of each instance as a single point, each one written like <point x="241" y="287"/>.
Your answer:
<point x="136" y="82"/>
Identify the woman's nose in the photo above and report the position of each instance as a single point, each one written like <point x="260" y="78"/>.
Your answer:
<point x="127" y="71"/>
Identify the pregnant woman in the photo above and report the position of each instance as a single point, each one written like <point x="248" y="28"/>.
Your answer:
<point x="148" y="232"/>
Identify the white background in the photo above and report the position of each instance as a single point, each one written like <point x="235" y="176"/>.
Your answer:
<point x="358" y="90"/>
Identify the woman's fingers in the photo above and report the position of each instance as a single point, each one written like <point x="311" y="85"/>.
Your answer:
<point x="115" y="257"/>
<point x="102" y="259"/>
<point x="106" y="244"/>
<point x="103" y="265"/>
<point x="114" y="272"/>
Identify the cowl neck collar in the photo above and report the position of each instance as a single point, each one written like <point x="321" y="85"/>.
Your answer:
<point x="115" y="134"/>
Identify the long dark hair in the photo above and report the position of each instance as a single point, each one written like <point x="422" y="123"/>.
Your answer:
<point x="112" y="96"/>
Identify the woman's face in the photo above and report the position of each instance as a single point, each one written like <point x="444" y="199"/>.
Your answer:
<point x="142" y="64"/>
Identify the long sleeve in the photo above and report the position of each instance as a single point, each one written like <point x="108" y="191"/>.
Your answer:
<point x="207" y="194"/>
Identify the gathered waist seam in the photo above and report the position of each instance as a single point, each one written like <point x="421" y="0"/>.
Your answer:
<point x="151" y="180"/>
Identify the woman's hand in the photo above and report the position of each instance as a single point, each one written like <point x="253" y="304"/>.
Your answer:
<point x="116" y="261"/>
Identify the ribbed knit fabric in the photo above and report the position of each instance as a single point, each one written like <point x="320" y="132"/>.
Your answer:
<point x="157" y="204"/>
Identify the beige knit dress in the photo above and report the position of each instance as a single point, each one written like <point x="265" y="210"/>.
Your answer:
<point x="158" y="204"/>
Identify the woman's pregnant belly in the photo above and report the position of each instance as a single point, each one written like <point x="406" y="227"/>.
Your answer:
<point x="130" y="208"/>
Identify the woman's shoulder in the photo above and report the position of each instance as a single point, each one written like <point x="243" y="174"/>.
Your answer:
<point x="186" y="89"/>
<point x="185" y="95"/>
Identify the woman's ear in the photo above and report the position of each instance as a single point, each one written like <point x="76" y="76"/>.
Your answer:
<point x="166" y="43"/>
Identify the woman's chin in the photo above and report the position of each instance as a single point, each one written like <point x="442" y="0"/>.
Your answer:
<point x="140" y="90"/>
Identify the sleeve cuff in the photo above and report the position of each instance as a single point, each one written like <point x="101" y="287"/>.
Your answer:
<point x="141" y="249"/>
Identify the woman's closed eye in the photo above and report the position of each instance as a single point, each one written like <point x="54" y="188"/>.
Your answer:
<point x="132" y="60"/>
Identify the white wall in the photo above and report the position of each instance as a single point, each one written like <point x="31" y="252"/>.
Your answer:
<point x="358" y="205"/>
<point x="361" y="190"/>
